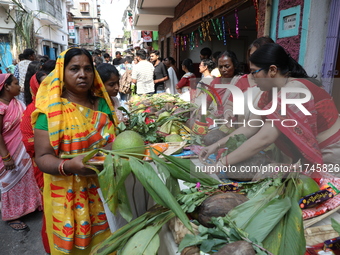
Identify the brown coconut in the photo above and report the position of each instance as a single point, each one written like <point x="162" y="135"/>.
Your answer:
<point x="191" y="250"/>
<point x="236" y="248"/>
<point x="213" y="136"/>
<point x="218" y="206"/>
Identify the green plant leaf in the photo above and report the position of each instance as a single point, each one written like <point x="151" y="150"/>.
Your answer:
<point x="288" y="235"/>
<point x="107" y="183"/>
<point x="144" y="242"/>
<point x="157" y="189"/>
<point x="251" y="221"/>
<point x="118" y="239"/>
<point x="190" y="240"/>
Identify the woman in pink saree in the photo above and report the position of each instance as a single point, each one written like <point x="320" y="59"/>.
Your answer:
<point x="20" y="194"/>
<point x="314" y="138"/>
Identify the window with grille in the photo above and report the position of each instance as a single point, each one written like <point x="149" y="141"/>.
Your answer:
<point x="84" y="7"/>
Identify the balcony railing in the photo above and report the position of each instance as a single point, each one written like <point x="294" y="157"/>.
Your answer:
<point x="52" y="7"/>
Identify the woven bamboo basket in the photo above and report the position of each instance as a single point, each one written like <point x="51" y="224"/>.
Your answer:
<point x="178" y="230"/>
<point x="316" y="235"/>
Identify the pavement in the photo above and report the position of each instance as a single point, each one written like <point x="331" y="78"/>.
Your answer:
<point x="28" y="241"/>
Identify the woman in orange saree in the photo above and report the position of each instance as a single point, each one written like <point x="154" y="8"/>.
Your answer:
<point x="74" y="115"/>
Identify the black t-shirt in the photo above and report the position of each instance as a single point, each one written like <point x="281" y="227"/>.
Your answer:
<point x="117" y="61"/>
<point x="160" y="72"/>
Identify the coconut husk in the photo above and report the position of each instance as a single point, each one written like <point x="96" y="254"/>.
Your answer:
<point x="236" y="248"/>
<point x="178" y="230"/>
<point x="218" y="206"/>
<point x="191" y="250"/>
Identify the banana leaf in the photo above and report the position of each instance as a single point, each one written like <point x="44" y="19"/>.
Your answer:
<point x="111" y="180"/>
<point x="157" y="189"/>
<point x="107" y="183"/>
<point x="251" y="216"/>
<point x="118" y="239"/>
<point x="146" y="241"/>
<point x="122" y="171"/>
<point x="183" y="169"/>
<point x="288" y="235"/>
<point x="170" y="182"/>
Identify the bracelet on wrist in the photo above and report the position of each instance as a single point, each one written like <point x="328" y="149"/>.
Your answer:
<point x="7" y="159"/>
<point x="61" y="169"/>
<point x="7" y="156"/>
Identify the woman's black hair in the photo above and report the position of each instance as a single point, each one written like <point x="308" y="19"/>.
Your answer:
<point x="188" y="64"/>
<point x="258" y="42"/>
<point x="105" y="71"/>
<point x="171" y="60"/>
<point x="77" y="52"/>
<point x="8" y="81"/>
<point x="209" y="64"/>
<point x="41" y="73"/>
<point x="32" y="68"/>
<point x="274" y="54"/>
<point x="48" y="66"/>
<point x="230" y="54"/>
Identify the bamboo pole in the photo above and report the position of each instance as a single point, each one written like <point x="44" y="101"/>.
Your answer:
<point x="268" y="15"/>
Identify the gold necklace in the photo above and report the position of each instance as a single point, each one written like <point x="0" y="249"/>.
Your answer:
<point x="5" y="100"/>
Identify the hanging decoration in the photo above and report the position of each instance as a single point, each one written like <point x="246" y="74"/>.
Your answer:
<point x="192" y="41"/>
<point x="200" y="35"/>
<point x="230" y="35"/>
<point x="207" y="25"/>
<point x="204" y="31"/>
<point x="221" y="29"/>
<point x="224" y="32"/>
<point x="236" y="26"/>
<point x="217" y="28"/>
<point x="196" y="38"/>
<point x="256" y="13"/>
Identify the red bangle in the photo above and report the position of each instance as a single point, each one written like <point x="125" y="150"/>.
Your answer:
<point x="61" y="168"/>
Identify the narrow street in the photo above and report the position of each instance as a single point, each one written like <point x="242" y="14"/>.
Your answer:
<point x="27" y="241"/>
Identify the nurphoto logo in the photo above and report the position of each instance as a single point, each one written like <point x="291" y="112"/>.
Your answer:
<point x="239" y="104"/>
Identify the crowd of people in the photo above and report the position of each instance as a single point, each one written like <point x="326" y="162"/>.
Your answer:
<point x="70" y="106"/>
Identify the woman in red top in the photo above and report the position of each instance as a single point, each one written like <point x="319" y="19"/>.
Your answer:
<point x="188" y="80"/>
<point x="315" y="138"/>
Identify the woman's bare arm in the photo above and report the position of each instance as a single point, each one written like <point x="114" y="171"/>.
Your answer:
<point x="261" y="140"/>
<point x="47" y="160"/>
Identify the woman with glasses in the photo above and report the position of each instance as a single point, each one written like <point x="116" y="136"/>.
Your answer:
<point x="314" y="138"/>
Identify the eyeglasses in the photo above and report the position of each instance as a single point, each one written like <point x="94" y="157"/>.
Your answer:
<point x="255" y="72"/>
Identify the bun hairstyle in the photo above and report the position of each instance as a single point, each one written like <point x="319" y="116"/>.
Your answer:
<point x="188" y="64"/>
<point x="209" y="64"/>
<point x="274" y="54"/>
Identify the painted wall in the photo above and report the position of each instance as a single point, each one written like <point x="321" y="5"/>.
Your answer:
<point x="316" y="38"/>
<point x="291" y="44"/>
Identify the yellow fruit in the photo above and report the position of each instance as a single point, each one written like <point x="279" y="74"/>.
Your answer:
<point x="130" y="141"/>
